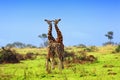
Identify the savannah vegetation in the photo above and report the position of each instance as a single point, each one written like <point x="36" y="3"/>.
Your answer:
<point x="81" y="62"/>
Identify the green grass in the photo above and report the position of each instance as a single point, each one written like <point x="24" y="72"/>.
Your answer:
<point x="106" y="68"/>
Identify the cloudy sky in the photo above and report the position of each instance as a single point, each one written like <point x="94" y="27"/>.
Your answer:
<point x="82" y="21"/>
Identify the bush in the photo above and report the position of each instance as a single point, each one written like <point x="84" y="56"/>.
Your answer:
<point x="82" y="46"/>
<point x="30" y="55"/>
<point x="117" y="49"/>
<point x="91" y="58"/>
<point x="71" y="57"/>
<point x="108" y="43"/>
<point x="20" y="56"/>
<point x="91" y="49"/>
<point x="8" y="56"/>
<point x="82" y="55"/>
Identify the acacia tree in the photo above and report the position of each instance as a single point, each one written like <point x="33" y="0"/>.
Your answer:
<point x="109" y="35"/>
<point x="44" y="38"/>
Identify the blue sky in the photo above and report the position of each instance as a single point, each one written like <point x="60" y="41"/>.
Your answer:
<point x="82" y="21"/>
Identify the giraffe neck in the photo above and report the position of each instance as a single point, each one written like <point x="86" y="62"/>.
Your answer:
<point x="59" y="34"/>
<point x="50" y="36"/>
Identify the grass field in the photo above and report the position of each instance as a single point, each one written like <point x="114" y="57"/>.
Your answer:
<point x="107" y="67"/>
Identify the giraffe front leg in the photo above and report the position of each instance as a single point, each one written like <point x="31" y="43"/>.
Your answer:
<point x="53" y="63"/>
<point x="47" y="66"/>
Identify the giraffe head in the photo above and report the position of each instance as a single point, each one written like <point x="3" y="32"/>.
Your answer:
<point x="48" y="21"/>
<point x="56" y="21"/>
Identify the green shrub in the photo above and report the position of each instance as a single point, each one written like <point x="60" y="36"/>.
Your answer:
<point x="117" y="49"/>
<point x="91" y="49"/>
<point x="82" y="46"/>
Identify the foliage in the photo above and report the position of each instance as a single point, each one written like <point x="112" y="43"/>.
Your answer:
<point x="108" y="43"/>
<point x="109" y="35"/>
<point x="82" y="46"/>
<point x="91" y="49"/>
<point x="30" y="46"/>
<point x="117" y="48"/>
<point x="8" y="56"/>
<point x="16" y="44"/>
<point x="11" y="56"/>
<point x="79" y="57"/>
<point x="44" y="38"/>
<point x="19" y="45"/>
<point x="30" y="55"/>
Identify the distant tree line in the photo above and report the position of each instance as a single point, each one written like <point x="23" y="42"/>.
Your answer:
<point x="43" y="37"/>
<point x="20" y="45"/>
<point x="23" y="45"/>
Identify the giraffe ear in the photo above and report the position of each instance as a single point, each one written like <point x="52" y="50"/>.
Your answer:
<point x="59" y="19"/>
<point x="45" y="20"/>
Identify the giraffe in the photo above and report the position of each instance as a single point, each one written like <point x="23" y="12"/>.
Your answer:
<point x="59" y="38"/>
<point x="55" y="46"/>
<point x="50" y="36"/>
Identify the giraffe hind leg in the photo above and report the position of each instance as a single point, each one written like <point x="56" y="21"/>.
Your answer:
<point x="60" y="55"/>
<point x="61" y="66"/>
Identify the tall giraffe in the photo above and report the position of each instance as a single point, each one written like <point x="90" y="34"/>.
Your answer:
<point x="55" y="47"/>
<point x="50" y="36"/>
<point x="59" y="38"/>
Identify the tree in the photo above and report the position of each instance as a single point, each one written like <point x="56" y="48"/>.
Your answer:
<point x="16" y="44"/>
<point x="30" y="46"/>
<point x="82" y="45"/>
<point x="44" y="38"/>
<point x="19" y="45"/>
<point x="9" y="45"/>
<point x="109" y="35"/>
